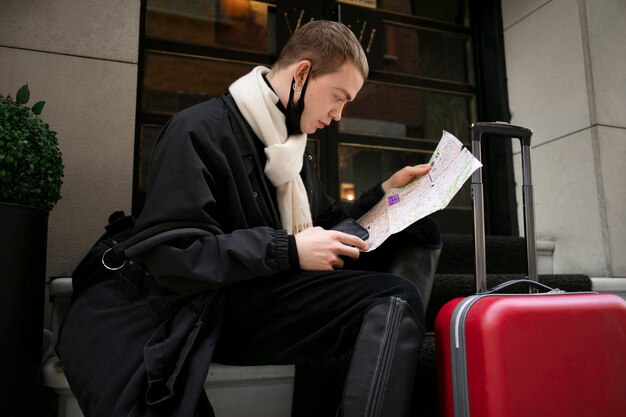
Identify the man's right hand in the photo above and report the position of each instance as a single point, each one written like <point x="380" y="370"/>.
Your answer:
<point x="321" y="250"/>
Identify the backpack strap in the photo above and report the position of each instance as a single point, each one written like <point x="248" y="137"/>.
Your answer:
<point x="115" y="257"/>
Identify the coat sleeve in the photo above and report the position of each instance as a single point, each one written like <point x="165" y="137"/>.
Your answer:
<point x="193" y="178"/>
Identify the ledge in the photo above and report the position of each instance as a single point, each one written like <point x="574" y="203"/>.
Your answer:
<point x="545" y="257"/>
<point x="234" y="391"/>
<point x="615" y="286"/>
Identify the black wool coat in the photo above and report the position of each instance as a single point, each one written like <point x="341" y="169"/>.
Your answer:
<point x="207" y="168"/>
<point x="132" y="347"/>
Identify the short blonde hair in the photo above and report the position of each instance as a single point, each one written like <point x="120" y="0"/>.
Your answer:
<point x="328" y="45"/>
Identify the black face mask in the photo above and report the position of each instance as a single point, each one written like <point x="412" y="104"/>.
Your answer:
<point x="294" y="110"/>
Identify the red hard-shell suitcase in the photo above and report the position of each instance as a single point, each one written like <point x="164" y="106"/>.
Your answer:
<point x="528" y="354"/>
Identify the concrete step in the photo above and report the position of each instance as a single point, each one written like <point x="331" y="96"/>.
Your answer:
<point x="235" y="391"/>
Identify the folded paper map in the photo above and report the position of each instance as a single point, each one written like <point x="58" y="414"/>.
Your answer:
<point x="452" y="165"/>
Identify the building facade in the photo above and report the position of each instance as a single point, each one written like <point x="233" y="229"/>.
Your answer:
<point x="566" y="69"/>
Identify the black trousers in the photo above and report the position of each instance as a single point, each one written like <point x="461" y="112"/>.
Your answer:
<point x="293" y="318"/>
<point x="130" y="349"/>
<point x="302" y="317"/>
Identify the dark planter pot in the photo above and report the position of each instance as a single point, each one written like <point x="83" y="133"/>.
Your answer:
<point x="23" y="239"/>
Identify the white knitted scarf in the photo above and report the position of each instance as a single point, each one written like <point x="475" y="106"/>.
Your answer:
<point x="257" y="103"/>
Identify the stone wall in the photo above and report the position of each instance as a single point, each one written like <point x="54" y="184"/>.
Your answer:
<point x="566" y="68"/>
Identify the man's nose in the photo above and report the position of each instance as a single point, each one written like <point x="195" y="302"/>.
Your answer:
<point x="335" y="113"/>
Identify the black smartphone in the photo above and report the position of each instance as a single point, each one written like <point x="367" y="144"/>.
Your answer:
<point x="351" y="227"/>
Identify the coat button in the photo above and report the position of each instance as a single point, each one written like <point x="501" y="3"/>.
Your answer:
<point x="254" y="194"/>
<point x="310" y="157"/>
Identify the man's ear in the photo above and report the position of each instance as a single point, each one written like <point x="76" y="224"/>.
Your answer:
<point x="302" y="71"/>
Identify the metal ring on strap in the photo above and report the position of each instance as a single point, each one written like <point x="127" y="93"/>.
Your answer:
<point x="111" y="268"/>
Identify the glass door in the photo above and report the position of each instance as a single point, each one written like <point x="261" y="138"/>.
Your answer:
<point x="422" y="79"/>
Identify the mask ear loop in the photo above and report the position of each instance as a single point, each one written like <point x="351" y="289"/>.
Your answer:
<point x="293" y="123"/>
<point x="303" y="87"/>
<point x="295" y="109"/>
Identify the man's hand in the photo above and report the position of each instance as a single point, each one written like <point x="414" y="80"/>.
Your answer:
<point x="320" y="250"/>
<point x="405" y="176"/>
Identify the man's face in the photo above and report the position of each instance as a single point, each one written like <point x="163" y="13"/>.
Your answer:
<point x="326" y="96"/>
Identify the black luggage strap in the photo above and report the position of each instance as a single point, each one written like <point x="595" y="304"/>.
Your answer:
<point x="115" y="257"/>
<point x="529" y="283"/>
<point x="119" y="223"/>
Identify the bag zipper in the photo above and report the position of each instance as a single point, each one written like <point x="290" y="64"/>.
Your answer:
<point x="383" y="365"/>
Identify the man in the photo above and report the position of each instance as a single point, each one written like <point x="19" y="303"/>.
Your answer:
<point x="269" y="282"/>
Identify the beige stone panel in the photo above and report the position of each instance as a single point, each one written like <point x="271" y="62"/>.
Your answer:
<point x="613" y="161"/>
<point x="546" y="72"/>
<point x="101" y="29"/>
<point x="606" y="23"/>
<point x="566" y="203"/>
<point x="91" y="105"/>
<point x="516" y="10"/>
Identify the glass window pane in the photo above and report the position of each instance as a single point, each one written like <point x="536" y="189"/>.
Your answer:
<point x="450" y="11"/>
<point x="232" y="24"/>
<point x="407" y="112"/>
<point x="427" y="53"/>
<point x="173" y="82"/>
<point x="360" y="167"/>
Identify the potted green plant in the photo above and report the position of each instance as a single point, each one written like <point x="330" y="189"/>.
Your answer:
<point x="31" y="168"/>
<point x="31" y="171"/>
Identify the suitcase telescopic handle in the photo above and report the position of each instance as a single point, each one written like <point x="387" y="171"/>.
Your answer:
<point x="505" y="130"/>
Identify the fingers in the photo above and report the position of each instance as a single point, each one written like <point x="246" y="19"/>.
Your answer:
<point x="320" y="249"/>
<point x="352" y="242"/>
<point x="422" y="169"/>
<point x="405" y="176"/>
<point x="417" y="170"/>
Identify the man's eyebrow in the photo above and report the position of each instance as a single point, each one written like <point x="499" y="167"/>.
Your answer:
<point x="345" y="92"/>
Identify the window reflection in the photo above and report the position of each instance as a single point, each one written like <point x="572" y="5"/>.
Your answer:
<point x="361" y="167"/>
<point x="407" y="112"/>
<point x="233" y="24"/>
<point x="426" y="53"/>
<point x="450" y="11"/>
<point x="174" y="82"/>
